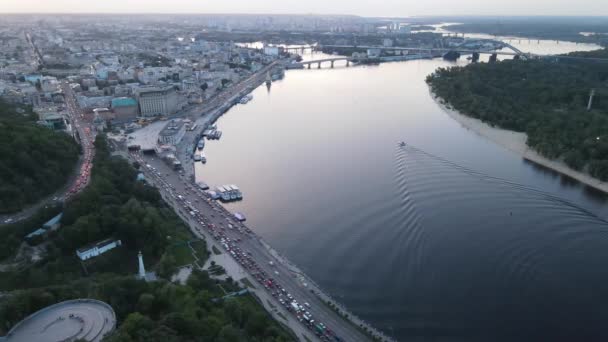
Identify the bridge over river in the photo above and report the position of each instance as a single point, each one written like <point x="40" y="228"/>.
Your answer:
<point x="431" y="52"/>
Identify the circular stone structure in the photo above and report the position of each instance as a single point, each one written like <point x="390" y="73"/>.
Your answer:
<point x="86" y="319"/>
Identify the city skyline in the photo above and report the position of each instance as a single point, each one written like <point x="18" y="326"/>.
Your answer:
<point x="389" y="8"/>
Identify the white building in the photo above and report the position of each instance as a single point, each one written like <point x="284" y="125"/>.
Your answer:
<point x="158" y="101"/>
<point x="49" y="84"/>
<point x="97" y="249"/>
<point x="373" y="53"/>
<point x="271" y="50"/>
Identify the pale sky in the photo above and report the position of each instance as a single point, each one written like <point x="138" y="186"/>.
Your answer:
<point x="357" y="7"/>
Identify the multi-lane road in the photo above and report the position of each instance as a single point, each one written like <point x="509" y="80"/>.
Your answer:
<point x="264" y="267"/>
<point x="86" y="137"/>
<point x="80" y="179"/>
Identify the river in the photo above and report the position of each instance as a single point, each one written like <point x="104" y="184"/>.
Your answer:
<point x="448" y="238"/>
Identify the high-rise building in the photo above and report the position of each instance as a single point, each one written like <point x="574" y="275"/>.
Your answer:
<point x="155" y="101"/>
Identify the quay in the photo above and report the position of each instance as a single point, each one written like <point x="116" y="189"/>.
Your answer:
<point x="341" y="322"/>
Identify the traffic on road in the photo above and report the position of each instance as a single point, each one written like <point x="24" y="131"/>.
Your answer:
<point x="210" y="219"/>
<point x="86" y="137"/>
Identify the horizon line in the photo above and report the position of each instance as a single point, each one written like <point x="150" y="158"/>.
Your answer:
<point x="311" y="14"/>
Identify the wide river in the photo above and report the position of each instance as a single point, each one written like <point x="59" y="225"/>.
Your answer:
<point x="448" y="238"/>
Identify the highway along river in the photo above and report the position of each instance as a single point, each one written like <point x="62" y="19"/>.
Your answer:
<point x="449" y="238"/>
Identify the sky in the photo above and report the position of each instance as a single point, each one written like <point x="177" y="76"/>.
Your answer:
<point x="368" y="8"/>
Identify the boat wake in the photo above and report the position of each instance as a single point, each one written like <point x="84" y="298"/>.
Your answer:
<point x="489" y="248"/>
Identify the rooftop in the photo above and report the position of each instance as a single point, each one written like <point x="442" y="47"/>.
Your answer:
<point x="152" y="91"/>
<point x="123" y="102"/>
<point x="172" y="127"/>
<point x="98" y="244"/>
<point x="85" y="319"/>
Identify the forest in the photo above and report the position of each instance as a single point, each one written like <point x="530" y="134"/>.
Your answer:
<point x="34" y="161"/>
<point x="551" y="28"/>
<point x="116" y="205"/>
<point x="546" y="99"/>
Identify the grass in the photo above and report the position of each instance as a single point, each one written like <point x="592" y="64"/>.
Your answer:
<point x="247" y="283"/>
<point x="200" y="248"/>
<point x="216" y="270"/>
<point x="182" y="254"/>
<point x="215" y="250"/>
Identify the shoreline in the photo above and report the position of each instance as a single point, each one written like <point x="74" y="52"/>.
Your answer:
<point x="516" y="143"/>
<point x="210" y="118"/>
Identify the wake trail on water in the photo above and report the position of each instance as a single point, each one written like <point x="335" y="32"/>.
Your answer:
<point x="412" y="152"/>
<point x="515" y="232"/>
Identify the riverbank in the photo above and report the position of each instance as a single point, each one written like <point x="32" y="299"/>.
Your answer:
<point x="516" y="142"/>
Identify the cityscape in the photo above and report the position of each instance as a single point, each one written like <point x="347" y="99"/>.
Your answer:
<point x="170" y="176"/>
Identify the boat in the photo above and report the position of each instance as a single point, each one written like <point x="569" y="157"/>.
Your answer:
<point x="201" y="144"/>
<point x="229" y="193"/>
<point x="402" y="144"/>
<point x="203" y="159"/>
<point x="214" y="195"/>
<point x="245" y="99"/>
<point x="203" y="185"/>
<point x="239" y="216"/>
<point x="268" y="78"/>
<point x="197" y="157"/>
<point x="237" y="192"/>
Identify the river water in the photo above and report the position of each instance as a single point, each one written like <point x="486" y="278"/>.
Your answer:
<point x="448" y="238"/>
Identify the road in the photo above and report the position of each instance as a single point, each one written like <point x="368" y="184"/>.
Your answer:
<point x="209" y="112"/>
<point x="262" y="264"/>
<point x="80" y="179"/>
<point x="87" y="138"/>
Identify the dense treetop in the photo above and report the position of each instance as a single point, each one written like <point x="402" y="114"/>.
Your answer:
<point x="545" y="99"/>
<point x="116" y="205"/>
<point x="552" y="28"/>
<point x="34" y="161"/>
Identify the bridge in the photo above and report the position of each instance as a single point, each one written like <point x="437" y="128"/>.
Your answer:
<point x="436" y="52"/>
<point x="318" y="62"/>
<point x="515" y="51"/>
<point x="300" y="48"/>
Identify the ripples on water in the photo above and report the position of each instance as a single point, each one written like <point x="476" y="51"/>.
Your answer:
<point x="478" y="257"/>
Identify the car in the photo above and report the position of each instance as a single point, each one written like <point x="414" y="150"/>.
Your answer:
<point x="307" y="305"/>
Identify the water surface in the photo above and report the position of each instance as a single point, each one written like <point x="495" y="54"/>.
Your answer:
<point x="410" y="238"/>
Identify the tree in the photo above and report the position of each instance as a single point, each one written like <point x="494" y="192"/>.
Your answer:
<point x="146" y="302"/>
<point x="229" y="334"/>
<point x="137" y="325"/>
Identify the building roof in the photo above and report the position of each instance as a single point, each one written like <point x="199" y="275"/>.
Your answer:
<point x="36" y="232"/>
<point x="98" y="244"/>
<point x="123" y="102"/>
<point x="172" y="128"/>
<point x="154" y="91"/>
<point x="53" y="221"/>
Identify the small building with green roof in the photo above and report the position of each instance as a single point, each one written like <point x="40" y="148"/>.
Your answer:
<point x="125" y="109"/>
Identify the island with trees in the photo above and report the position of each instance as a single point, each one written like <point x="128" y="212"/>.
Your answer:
<point x="573" y="29"/>
<point x="117" y="205"/>
<point x="546" y="99"/>
<point x="34" y="161"/>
